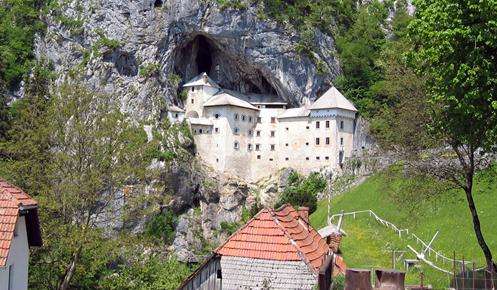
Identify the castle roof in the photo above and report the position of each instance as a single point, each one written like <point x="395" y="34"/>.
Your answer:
<point x="226" y="99"/>
<point x="295" y="113"/>
<point x="333" y="99"/>
<point x="174" y="108"/>
<point x="201" y="80"/>
<point x="258" y="99"/>
<point x="200" y="121"/>
<point x="281" y="235"/>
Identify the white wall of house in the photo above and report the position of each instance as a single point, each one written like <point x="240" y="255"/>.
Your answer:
<point x="175" y="117"/>
<point x="17" y="261"/>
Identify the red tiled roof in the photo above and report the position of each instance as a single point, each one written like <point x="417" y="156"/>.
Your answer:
<point x="277" y="235"/>
<point x="11" y="198"/>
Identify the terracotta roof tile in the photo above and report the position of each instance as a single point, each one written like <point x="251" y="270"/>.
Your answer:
<point x="11" y="198"/>
<point x="277" y="235"/>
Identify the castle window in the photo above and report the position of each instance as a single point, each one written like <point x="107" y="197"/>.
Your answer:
<point x="200" y="131"/>
<point x="317" y="141"/>
<point x="258" y="156"/>
<point x="237" y="130"/>
<point x="217" y="159"/>
<point x="195" y="131"/>
<point x="286" y="158"/>
<point x="327" y="124"/>
<point x="216" y="130"/>
<point x="270" y="159"/>
<point x="273" y="133"/>
<point x="307" y="158"/>
<point x="249" y="147"/>
<point x="193" y="89"/>
<point x="341" y="125"/>
<point x="243" y="117"/>
<point x="193" y="101"/>
<point x="327" y="158"/>
<point x="306" y="143"/>
<point x="250" y="119"/>
<point x="259" y="119"/>
<point x="317" y="157"/>
<point x="286" y="144"/>
<point x="250" y="132"/>
<point x="257" y="147"/>
<point x="272" y="147"/>
<point x="341" y="141"/>
<point x="176" y="115"/>
<point x="236" y="145"/>
<point x="317" y="125"/>
<point x="273" y="120"/>
<point x="307" y="127"/>
<point x="236" y="116"/>
<point x="258" y="133"/>
<point x="327" y="140"/>
<point x="287" y="128"/>
<point x="216" y="116"/>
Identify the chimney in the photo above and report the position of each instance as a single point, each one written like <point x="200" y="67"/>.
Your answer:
<point x="304" y="213"/>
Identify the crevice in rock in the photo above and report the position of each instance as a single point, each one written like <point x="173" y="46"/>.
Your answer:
<point x="158" y="3"/>
<point x="124" y="62"/>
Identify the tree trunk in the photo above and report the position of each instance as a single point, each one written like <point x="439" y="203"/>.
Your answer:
<point x="64" y="284"/>
<point x="477" y="228"/>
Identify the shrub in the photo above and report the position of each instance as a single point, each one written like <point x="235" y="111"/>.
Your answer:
<point x="302" y="191"/>
<point x="162" y="226"/>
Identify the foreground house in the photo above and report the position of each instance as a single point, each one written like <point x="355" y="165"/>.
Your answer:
<point x="19" y="229"/>
<point x="277" y="249"/>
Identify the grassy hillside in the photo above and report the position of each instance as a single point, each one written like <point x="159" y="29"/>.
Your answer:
<point x="422" y="206"/>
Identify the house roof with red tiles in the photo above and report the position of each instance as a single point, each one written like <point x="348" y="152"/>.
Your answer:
<point x="12" y="201"/>
<point x="281" y="235"/>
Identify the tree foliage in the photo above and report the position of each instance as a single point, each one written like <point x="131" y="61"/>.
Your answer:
<point x="302" y="191"/>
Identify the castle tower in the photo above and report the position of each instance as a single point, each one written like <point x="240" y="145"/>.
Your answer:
<point x="199" y="90"/>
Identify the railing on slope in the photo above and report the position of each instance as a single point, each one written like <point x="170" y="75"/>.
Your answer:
<point x="392" y="226"/>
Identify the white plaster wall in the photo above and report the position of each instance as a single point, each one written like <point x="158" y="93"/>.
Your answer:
<point x="199" y="95"/>
<point x="18" y="258"/>
<point x="175" y="117"/>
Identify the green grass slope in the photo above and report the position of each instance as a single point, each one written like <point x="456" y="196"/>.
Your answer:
<point x="421" y="205"/>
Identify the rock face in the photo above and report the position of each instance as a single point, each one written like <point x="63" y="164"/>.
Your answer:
<point x="136" y="49"/>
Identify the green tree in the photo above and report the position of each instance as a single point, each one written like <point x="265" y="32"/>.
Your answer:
<point x="455" y="47"/>
<point x="302" y="191"/>
<point x="96" y="176"/>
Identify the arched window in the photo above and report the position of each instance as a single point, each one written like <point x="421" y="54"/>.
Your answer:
<point x="236" y="145"/>
<point x="237" y="130"/>
<point x="243" y="117"/>
<point x="216" y="116"/>
<point x="236" y="116"/>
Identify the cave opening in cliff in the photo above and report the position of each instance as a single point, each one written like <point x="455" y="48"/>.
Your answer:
<point x="158" y="3"/>
<point x="204" y="55"/>
<point x="227" y="66"/>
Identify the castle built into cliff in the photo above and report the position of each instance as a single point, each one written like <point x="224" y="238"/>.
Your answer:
<point x="254" y="135"/>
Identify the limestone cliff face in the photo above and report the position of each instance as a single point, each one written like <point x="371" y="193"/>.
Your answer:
<point x="137" y="48"/>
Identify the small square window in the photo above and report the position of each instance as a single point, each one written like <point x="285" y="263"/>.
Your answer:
<point x="286" y="144"/>
<point x="317" y="125"/>
<point x="216" y="116"/>
<point x="273" y="120"/>
<point x="317" y="157"/>
<point x="257" y="147"/>
<point x="216" y="130"/>
<point x="273" y="133"/>
<point x="327" y="158"/>
<point x="270" y="159"/>
<point x="258" y="133"/>
<point x="286" y="158"/>
<point x="217" y="159"/>
<point x="237" y="130"/>
<point x="341" y="125"/>
<point x="287" y="128"/>
<point x="306" y="143"/>
<point x="327" y="140"/>
<point x="259" y="120"/>
<point x="236" y="145"/>
<point x="176" y="115"/>
<point x="258" y="156"/>
<point x="272" y="147"/>
<point x="327" y="124"/>
<point x="307" y="158"/>
<point x="317" y="141"/>
<point x="307" y="127"/>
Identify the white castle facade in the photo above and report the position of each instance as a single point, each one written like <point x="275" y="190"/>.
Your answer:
<point x="252" y="135"/>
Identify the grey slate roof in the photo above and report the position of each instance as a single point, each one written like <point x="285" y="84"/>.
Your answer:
<point x="226" y="99"/>
<point x="248" y="273"/>
<point x="295" y="113"/>
<point x="201" y="80"/>
<point x="200" y="121"/>
<point x="333" y="99"/>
